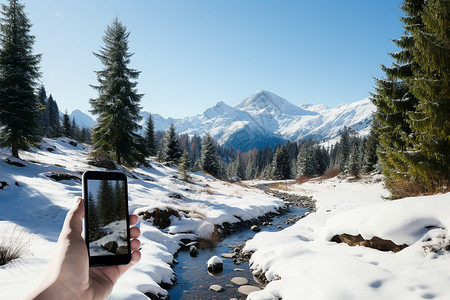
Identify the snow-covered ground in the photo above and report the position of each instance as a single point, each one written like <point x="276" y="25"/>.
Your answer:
<point x="302" y="263"/>
<point x="34" y="204"/>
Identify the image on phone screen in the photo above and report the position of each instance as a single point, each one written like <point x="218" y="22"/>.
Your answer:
<point x="107" y="217"/>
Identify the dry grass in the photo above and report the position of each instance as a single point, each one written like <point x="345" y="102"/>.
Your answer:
<point x="14" y="244"/>
<point x="302" y="179"/>
<point x="409" y="188"/>
<point x="210" y="241"/>
<point x="330" y="174"/>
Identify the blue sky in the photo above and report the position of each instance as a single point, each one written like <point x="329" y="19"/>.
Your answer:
<point x="193" y="54"/>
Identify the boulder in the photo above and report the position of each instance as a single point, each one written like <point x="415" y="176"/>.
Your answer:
<point x="111" y="246"/>
<point x="122" y="250"/>
<point x="193" y="251"/>
<point x="215" y="264"/>
<point x="247" y="289"/>
<point x="239" y="280"/>
<point x="255" y="228"/>
<point x="216" y="288"/>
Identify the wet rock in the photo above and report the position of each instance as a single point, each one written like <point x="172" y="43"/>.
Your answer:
<point x="3" y="184"/>
<point x="216" y="288"/>
<point x="228" y="255"/>
<point x="375" y="242"/>
<point x="255" y="228"/>
<point x="239" y="280"/>
<point x="215" y="264"/>
<point x="193" y="251"/>
<point x="175" y="196"/>
<point x="64" y="176"/>
<point x="247" y="289"/>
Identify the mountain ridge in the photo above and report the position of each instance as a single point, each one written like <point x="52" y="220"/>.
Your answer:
<point x="265" y="120"/>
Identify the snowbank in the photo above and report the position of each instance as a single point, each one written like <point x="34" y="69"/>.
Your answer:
<point x="301" y="263"/>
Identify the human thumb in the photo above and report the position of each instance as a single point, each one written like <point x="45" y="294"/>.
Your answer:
<point x="74" y="218"/>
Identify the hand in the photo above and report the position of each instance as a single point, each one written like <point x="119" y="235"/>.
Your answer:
<point x="69" y="275"/>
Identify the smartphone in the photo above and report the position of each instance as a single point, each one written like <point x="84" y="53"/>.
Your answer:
<point x="106" y="221"/>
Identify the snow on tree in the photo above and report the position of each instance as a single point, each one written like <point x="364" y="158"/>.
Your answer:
<point x="118" y="102"/>
<point x="185" y="162"/>
<point x="19" y="71"/>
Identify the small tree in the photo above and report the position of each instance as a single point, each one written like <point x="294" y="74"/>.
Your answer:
<point x="67" y="126"/>
<point x="209" y="161"/>
<point x="150" y="141"/>
<point x="185" y="162"/>
<point x="19" y="71"/>
<point x="282" y="164"/>
<point x="172" y="145"/>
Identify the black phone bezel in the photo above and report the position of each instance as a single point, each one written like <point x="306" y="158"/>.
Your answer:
<point x="105" y="260"/>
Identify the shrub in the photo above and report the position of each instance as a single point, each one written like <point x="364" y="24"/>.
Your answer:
<point x="14" y="245"/>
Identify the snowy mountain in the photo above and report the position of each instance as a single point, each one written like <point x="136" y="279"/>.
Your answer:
<point x="266" y="119"/>
<point x="82" y="119"/>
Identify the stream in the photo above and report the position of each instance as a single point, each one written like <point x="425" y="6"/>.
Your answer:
<point x="193" y="278"/>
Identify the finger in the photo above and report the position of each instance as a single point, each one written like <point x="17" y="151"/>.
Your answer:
<point x="74" y="217"/>
<point x="135" y="232"/>
<point x="134" y="219"/>
<point x="135" y="244"/>
<point x="135" y="257"/>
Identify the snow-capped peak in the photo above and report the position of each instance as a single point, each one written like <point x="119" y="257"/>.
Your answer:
<point x="265" y="102"/>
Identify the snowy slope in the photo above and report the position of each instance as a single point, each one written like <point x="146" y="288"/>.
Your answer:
<point x="301" y="260"/>
<point x="32" y="202"/>
<point x="82" y="119"/>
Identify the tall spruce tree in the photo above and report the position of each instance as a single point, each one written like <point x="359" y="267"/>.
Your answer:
<point x="53" y="115"/>
<point x="172" y="148"/>
<point x="67" y="125"/>
<point x="282" y="164"/>
<point x="209" y="161"/>
<point x="394" y="100"/>
<point x="19" y="71"/>
<point x="150" y="141"/>
<point x="430" y="155"/>
<point x="118" y="103"/>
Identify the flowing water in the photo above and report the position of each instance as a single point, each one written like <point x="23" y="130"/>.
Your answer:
<point x="193" y="278"/>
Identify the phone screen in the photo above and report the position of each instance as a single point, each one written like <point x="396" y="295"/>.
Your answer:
<point x="106" y="223"/>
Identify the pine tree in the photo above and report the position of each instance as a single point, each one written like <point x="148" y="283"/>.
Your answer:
<point x="106" y="209"/>
<point x="394" y="100"/>
<point x="150" y="141"/>
<point x="172" y="148"/>
<point x="95" y="232"/>
<point x="53" y="113"/>
<point x="209" y="161"/>
<point x="67" y="126"/>
<point x="353" y="167"/>
<point x="282" y="164"/>
<point x="43" y="118"/>
<point x="371" y="157"/>
<point x="19" y="71"/>
<point x="430" y="154"/>
<point x="118" y="102"/>
<point x="185" y="162"/>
